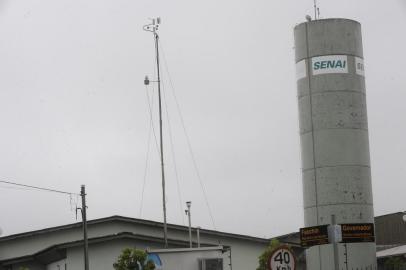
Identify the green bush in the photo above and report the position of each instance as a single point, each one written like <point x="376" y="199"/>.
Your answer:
<point x="133" y="259"/>
<point x="395" y="263"/>
<point x="263" y="259"/>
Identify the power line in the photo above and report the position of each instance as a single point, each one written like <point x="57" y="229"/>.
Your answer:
<point x="39" y="188"/>
<point x="83" y="210"/>
<point x="14" y="188"/>
<point x="17" y="186"/>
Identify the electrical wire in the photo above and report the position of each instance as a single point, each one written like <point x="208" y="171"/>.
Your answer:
<point x="150" y="102"/>
<point x="14" y="188"/>
<point x="145" y="175"/>
<point x="73" y="201"/>
<point x="173" y="155"/>
<point x="35" y="188"/>
<point x="39" y="188"/>
<point x="150" y="107"/>
<point x="188" y="139"/>
<point x="151" y="128"/>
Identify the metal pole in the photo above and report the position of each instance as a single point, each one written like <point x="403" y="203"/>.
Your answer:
<point x="189" y="204"/>
<point x="335" y="246"/>
<point x="161" y="141"/>
<point x="346" y="256"/>
<point x="231" y="261"/>
<point x="198" y="236"/>
<point x="84" y="222"/>
<point x="315" y="10"/>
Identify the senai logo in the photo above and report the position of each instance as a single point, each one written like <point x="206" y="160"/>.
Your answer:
<point x="156" y="260"/>
<point x="329" y="64"/>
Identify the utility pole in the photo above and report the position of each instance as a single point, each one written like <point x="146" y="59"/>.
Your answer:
<point x="231" y="261"/>
<point x="335" y="246"/>
<point x="198" y="236"/>
<point x="84" y="222"/>
<point x="153" y="27"/>
<point x="189" y="204"/>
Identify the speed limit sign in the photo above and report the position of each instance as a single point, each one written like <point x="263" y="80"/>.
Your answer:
<point x="282" y="259"/>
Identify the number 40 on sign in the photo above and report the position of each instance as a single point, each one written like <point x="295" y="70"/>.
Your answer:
<point x="282" y="259"/>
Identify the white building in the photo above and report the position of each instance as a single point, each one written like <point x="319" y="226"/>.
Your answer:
<point x="61" y="248"/>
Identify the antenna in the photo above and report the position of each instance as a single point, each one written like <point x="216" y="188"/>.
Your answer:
<point x="315" y="9"/>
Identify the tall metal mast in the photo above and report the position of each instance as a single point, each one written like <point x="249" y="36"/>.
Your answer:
<point x="153" y="27"/>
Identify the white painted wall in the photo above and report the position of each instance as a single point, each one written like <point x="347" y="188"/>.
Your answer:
<point x="244" y="252"/>
<point x="59" y="265"/>
<point x="186" y="260"/>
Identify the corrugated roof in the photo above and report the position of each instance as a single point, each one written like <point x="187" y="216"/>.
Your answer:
<point x="131" y="220"/>
<point x="396" y="251"/>
<point x="93" y="240"/>
<point x="390" y="214"/>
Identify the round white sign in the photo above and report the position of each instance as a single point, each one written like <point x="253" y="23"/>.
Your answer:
<point x="282" y="259"/>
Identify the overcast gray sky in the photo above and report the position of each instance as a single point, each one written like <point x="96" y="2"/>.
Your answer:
<point x="73" y="109"/>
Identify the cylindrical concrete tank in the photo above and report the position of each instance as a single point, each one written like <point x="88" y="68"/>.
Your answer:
<point x="334" y="136"/>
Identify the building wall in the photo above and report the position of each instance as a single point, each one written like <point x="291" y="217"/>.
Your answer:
<point x="383" y="265"/>
<point x="245" y="253"/>
<point x="102" y="255"/>
<point x="29" y="265"/>
<point x="31" y="244"/>
<point x="59" y="265"/>
<point x="187" y="260"/>
<point x="390" y="229"/>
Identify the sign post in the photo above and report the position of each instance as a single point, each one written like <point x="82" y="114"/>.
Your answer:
<point x="282" y="258"/>
<point x="335" y="234"/>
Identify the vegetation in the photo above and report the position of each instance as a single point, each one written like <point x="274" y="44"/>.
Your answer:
<point x="263" y="259"/>
<point x="133" y="259"/>
<point x="395" y="263"/>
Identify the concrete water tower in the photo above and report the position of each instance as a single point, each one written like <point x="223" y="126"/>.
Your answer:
<point x="336" y="169"/>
